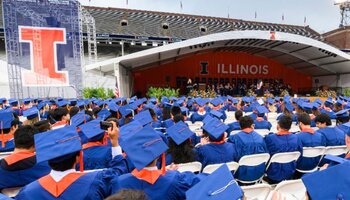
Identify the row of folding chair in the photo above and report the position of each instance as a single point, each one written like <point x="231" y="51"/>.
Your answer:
<point x="4" y="154"/>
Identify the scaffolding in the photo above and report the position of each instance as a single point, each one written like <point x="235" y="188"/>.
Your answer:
<point x="89" y="23"/>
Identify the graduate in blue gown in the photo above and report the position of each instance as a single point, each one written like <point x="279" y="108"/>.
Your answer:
<point x="309" y="138"/>
<point x="235" y="125"/>
<point x="245" y="105"/>
<point x="328" y="109"/>
<point x="248" y="142"/>
<point x="282" y="141"/>
<point x="201" y="112"/>
<point x="260" y="122"/>
<point x="288" y="110"/>
<point x="175" y="110"/>
<point x="342" y="117"/>
<point x="8" y="125"/>
<point x="232" y="104"/>
<point x="21" y="168"/>
<point x="216" y="150"/>
<point x="61" y="148"/>
<point x="333" y="136"/>
<point x="144" y="148"/>
<point x="217" y="106"/>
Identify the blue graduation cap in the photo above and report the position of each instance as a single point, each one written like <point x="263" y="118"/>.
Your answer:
<point x="125" y="110"/>
<point x="307" y="106"/>
<point x="342" y="114"/>
<point x="73" y="102"/>
<point x="31" y="113"/>
<point x="26" y="101"/>
<point x="217" y="186"/>
<point x="215" y="128"/>
<point x="92" y="128"/>
<point x="328" y="102"/>
<point x="129" y="129"/>
<point x="99" y="103"/>
<point x="318" y="184"/>
<point x="216" y="114"/>
<point x="216" y="102"/>
<point x="201" y="102"/>
<point x="246" y="99"/>
<point x="5" y="119"/>
<point x="153" y="100"/>
<point x="113" y="107"/>
<point x="179" y="132"/>
<point x="62" y="103"/>
<point x="56" y="143"/>
<point x="339" y="102"/>
<point x="103" y="114"/>
<point x="79" y="118"/>
<point x="286" y="98"/>
<point x="252" y="98"/>
<point x="81" y="103"/>
<point x="172" y="98"/>
<point x="13" y="102"/>
<point x="318" y="101"/>
<point x="289" y="107"/>
<point x="144" y="117"/>
<point x="262" y="109"/>
<point x="207" y="119"/>
<point x="143" y="147"/>
<point x="184" y="110"/>
<point x="315" y="106"/>
<point x="269" y="101"/>
<point x="179" y="103"/>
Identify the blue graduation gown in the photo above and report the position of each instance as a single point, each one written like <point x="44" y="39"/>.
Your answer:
<point x="9" y="146"/>
<point x="279" y="144"/>
<point x="331" y="113"/>
<point x="262" y="124"/>
<point x="172" y="186"/>
<point x="22" y="172"/>
<point x="156" y="124"/>
<point x="333" y="136"/>
<point x="195" y="117"/>
<point x="232" y="127"/>
<point x="310" y="140"/>
<point x="343" y="128"/>
<point x="216" y="153"/>
<point x="247" y="109"/>
<point x="232" y="108"/>
<point x="168" y="123"/>
<point x="278" y="107"/>
<point x="93" y="185"/>
<point x="294" y="117"/>
<point x="248" y="144"/>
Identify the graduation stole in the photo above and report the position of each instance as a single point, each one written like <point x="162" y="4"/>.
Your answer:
<point x="5" y="138"/>
<point x="221" y="142"/>
<point x="57" y="188"/>
<point x="59" y="123"/>
<point x="283" y="132"/>
<point x="150" y="176"/>
<point x="308" y="130"/>
<point x="259" y="119"/>
<point x="96" y="143"/>
<point x="16" y="157"/>
<point x="248" y="130"/>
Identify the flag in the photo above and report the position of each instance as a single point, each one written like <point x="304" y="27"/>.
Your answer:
<point x="228" y="15"/>
<point x="181" y="5"/>
<point x="256" y="15"/>
<point x="116" y="92"/>
<point x="283" y="17"/>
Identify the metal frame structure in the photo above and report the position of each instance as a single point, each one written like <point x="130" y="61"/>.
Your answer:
<point x="344" y="12"/>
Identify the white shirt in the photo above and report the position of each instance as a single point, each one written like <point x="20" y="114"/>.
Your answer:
<point x="116" y="151"/>
<point x="57" y="175"/>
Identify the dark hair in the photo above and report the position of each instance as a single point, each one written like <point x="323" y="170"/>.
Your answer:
<point x="59" y="113"/>
<point x="88" y="112"/>
<point x="304" y="118"/>
<point x="212" y="139"/>
<point x="166" y="113"/>
<point x="238" y="115"/>
<point x="179" y="117"/>
<point x="128" y="194"/>
<point x="151" y="111"/>
<point x="175" y="110"/>
<point x="14" y="122"/>
<point x="42" y="125"/>
<point x="95" y="111"/>
<point x="246" y="122"/>
<point x="323" y="118"/>
<point x="182" y="153"/>
<point x="24" y="137"/>
<point x="50" y="116"/>
<point x="73" y="111"/>
<point x="64" y="162"/>
<point x="285" y="122"/>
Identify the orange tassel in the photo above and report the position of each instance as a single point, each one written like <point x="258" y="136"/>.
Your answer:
<point x="163" y="164"/>
<point x="2" y="136"/>
<point x="81" y="161"/>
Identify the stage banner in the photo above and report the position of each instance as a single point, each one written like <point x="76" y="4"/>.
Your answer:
<point x="43" y="38"/>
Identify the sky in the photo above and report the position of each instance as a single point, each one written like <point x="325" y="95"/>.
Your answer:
<point x="321" y="15"/>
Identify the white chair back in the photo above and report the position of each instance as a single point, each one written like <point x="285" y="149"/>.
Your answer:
<point x="292" y="188"/>
<point x="4" y="154"/>
<point x="11" y="192"/>
<point x="336" y="150"/>
<point x="312" y="152"/>
<point x="254" y="160"/>
<point x="283" y="158"/>
<point x="256" y="192"/>
<point x="272" y="116"/>
<point x="233" y="166"/>
<point x="262" y="132"/>
<point x="190" y="167"/>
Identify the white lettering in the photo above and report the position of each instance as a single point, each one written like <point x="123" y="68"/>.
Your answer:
<point x="253" y="69"/>
<point x="218" y="68"/>
<point x="223" y="69"/>
<point x="265" y="69"/>
<point x="245" y="69"/>
<point x="231" y="71"/>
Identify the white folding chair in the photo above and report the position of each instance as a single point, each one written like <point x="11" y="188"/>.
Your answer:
<point x="312" y="152"/>
<point x="315" y="128"/>
<point x="262" y="132"/>
<point x="11" y="192"/>
<point x="94" y="170"/>
<point x="247" y="113"/>
<point x="256" y="192"/>
<point x="233" y="166"/>
<point x="200" y="124"/>
<point x="336" y="150"/>
<point x="194" y="127"/>
<point x="230" y="115"/>
<point x="285" y="157"/>
<point x="252" y="161"/>
<point x="292" y="190"/>
<point x="4" y="154"/>
<point x="188" y="122"/>
<point x="294" y="128"/>
<point x="190" y="167"/>
<point x="272" y="116"/>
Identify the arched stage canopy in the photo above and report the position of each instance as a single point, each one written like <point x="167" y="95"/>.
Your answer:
<point x="309" y="56"/>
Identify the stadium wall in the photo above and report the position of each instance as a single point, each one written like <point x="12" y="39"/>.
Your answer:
<point x="343" y="81"/>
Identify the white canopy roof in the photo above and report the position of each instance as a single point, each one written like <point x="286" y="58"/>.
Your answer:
<point x="304" y="54"/>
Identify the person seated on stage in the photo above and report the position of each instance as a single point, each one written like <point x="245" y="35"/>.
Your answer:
<point x="175" y="110"/>
<point x="8" y="126"/>
<point x="333" y="136"/>
<point x="214" y="149"/>
<point x="235" y="125"/>
<point x="217" y="106"/>
<point x="180" y="144"/>
<point x="288" y="111"/>
<point x="327" y="108"/>
<point x="282" y="141"/>
<point x="260" y="122"/>
<point x="143" y="148"/>
<point x="100" y="151"/>
<point x="201" y="113"/>
<point x="62" y="149"/>
<point x="309" y="138"/>
<point x="342" y="117"/>
<point x="21" y="168"/>
<point x="248" y="142"/>
<point x="61" y="117"/>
